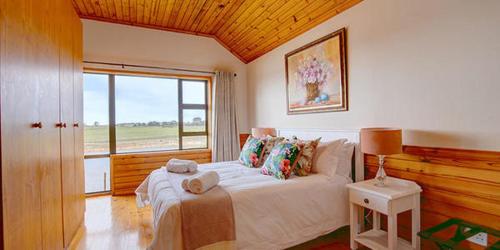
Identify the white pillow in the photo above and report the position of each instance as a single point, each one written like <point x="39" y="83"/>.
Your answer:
<point x="325" y="160"/>
<point x="344" y="167"/>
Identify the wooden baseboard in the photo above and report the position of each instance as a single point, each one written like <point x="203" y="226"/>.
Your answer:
<point x="129" y="170"/>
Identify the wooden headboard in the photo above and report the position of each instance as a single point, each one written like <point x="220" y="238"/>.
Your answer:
<point x="331" y="135"/>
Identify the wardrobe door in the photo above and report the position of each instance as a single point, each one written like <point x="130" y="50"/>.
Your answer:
<point x="50" y="160"/>
<point x="69" y="195"/>
<point x="78" y="119"/>
<point x="21" y="71"/>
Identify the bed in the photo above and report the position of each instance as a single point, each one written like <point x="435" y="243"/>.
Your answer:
<point x="269" y="213"/>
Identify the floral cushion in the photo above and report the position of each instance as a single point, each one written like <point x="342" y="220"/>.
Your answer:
<point x="251" y="154"/>
<point x="305" y="161"/>
<point x="271" y="142"/>
<point x="282" y="160"/>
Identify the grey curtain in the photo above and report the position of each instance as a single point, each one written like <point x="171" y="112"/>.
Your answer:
<point x="226" y="139"/>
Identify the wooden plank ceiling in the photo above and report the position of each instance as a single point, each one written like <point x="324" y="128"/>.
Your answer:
<point x="247" y="28"/>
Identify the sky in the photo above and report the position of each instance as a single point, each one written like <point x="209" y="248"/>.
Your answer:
<point x="139" y="99"/>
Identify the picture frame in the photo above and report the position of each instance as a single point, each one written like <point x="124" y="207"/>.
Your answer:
<point x="316" y="76"/>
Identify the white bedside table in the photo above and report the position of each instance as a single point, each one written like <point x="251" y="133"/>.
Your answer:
<point x="397" y="196"/>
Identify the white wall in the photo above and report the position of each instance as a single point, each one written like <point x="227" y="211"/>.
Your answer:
<point x="431" y="67"/>
<point x="133" y="45"/>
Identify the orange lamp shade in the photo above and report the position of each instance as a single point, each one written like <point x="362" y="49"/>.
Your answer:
<point x="263" y="132"/>
<point x="381" y="141"/>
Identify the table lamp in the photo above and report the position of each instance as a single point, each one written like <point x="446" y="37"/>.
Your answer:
<point x="381" y="142"/>
<point x="263" y="132"/>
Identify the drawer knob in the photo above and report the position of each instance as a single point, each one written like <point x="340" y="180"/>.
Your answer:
<point x="366" y="201"/>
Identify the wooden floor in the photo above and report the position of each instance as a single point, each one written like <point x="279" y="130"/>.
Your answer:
<point x="116" y="223"/>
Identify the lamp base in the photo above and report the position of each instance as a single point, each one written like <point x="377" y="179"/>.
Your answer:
<point x="381" y="176"/>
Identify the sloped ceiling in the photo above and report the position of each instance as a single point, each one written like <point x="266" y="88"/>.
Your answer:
<point x="247" y="28"/>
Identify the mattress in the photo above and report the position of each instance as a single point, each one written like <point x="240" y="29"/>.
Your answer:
<point x="269" y="213"/>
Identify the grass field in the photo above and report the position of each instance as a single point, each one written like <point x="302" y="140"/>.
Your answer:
<point x="144" y="138"/>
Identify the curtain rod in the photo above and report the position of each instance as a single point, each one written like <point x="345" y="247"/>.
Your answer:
<point x="123" y="65"/>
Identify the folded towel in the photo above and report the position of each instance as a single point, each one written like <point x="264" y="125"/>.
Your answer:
<point x="181" y="166"/>
<point x="203" y="182"/>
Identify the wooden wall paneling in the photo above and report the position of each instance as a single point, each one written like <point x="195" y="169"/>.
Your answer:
<point x="50" y="186"/>
<point x="456" y="183"/>
<point x="129" y="170"/>
<point x="20" y="83"/>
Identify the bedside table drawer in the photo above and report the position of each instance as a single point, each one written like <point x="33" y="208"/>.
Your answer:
<point x="369" y="201"/>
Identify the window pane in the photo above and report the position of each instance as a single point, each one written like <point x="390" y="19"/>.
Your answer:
<point x="97" y="175"/>
<point x="96" y="114"/>
<point x="193" y="92"/>
<point x="146" y="114"/>
<point x="194" y="120"/>
<point x="194" y="142"/>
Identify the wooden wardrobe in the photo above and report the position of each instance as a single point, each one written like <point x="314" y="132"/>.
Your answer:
<point x="41" y="123"/>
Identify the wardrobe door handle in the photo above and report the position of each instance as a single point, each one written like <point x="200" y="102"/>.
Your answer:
<point x="37" y="125"/>
<point x="76" y="125"/>
<point x="61" y="125"/>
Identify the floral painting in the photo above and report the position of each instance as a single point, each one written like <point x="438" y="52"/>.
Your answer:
<point x="316" y="76"/>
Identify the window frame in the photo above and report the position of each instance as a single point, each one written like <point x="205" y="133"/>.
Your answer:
<point x="181" y="107"/>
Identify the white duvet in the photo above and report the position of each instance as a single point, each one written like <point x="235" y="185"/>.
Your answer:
<point x="269" y="213"/>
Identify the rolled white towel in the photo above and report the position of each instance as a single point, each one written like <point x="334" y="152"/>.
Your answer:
<point x="203" y="182"/>
<point x="185" y="184"/>
<point x="181" y="166"/>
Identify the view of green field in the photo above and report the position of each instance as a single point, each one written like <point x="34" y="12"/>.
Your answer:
<point x="141" y="138"/>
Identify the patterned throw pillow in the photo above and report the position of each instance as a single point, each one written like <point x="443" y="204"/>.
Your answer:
<point x="305" y="162"/>
<point x="282" y="160"/>
<point x="251" y="154"/>
<point x="271" y="142"/>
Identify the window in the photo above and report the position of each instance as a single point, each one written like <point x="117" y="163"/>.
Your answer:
<point x="193" y="114"/>
<point x="131" y="113"/>
<point x="147" y="114"/>
<point x="96" y="132"/>
<point x="96" y="114"/>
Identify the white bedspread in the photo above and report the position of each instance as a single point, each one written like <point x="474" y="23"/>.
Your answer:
<point x="269" y="213"/>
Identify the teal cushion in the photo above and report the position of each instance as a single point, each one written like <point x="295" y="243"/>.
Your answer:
<point x="282" y="160"/>
<point x="252" y="152"/>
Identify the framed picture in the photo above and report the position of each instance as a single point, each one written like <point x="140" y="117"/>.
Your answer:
<point x="316" y="76"/>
